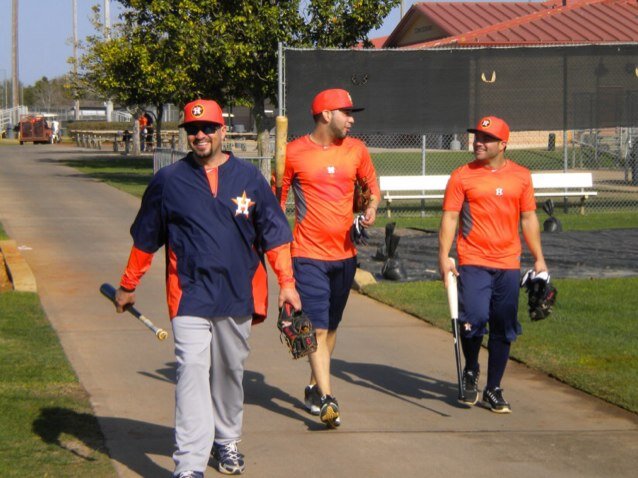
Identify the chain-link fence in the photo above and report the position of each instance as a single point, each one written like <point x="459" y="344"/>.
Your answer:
<point x="611" y="155"/>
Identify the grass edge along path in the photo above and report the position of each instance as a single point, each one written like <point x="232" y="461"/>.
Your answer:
<point x="47" y="425"/>
<point x="590" y="341"/>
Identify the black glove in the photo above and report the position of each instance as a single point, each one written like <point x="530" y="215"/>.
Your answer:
<point x="541" y="295"/>
<point x="358" y="233"/>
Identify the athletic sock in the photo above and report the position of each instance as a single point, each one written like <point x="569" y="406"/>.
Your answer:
<point x="471" y="347"/>
<point x="499" y="352"/>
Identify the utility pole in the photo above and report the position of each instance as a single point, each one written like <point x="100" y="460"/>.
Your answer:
<point x="15" y="84"/>
<point x="107" y="35"/>
<point x="76" y="104"/>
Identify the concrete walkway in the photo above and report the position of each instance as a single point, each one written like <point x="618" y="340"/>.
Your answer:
<point x="395" y="375"/>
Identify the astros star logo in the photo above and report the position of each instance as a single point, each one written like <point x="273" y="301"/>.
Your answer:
<point x="243" y="203"/>
<point x="467" y="326"/>
<point x="331" y="169"/>
<point x="197" y="110"/>
<point x="485" y="123"/>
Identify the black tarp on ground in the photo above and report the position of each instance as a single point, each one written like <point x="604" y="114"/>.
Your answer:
<point x="596" y="254"/>
<point x="445" y="91"/>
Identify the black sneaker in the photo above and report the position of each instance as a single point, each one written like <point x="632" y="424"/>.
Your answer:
<point x="470" y="386"/>
<point x="329" y="412"/>
<point x="312" y="399"/>
<point x="229" y="460"/>
<point x="493" y="398"/>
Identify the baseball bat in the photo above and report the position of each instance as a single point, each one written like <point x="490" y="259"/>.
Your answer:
<point x="281" y="138"/>
<point x="108" y="291"/>
<point x="453" y="302"/>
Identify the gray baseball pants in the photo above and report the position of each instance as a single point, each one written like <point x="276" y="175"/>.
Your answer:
<point x="209" y="395"/>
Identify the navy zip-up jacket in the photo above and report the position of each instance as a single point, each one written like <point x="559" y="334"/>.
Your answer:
<point x="213" y="243"/>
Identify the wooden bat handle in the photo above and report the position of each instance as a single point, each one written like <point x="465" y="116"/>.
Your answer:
<point x="452" y="294"/>
<point x="281" y="138"/>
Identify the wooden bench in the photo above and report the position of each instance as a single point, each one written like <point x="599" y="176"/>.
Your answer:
<point x="433" y="187"/>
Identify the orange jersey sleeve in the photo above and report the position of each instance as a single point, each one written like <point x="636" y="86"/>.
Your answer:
<point x="138" y="263"/>
<point x="322" y="180"/>
<point x="281" y="262"/>
<point x="490" y="204"/>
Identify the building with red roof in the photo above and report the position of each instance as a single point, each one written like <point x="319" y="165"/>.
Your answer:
<point x="555" y="22"/>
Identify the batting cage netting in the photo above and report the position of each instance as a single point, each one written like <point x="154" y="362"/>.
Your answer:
<point x="570" y="108"/>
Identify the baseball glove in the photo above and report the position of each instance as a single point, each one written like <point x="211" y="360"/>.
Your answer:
<point x="296" y="332"/>
<point x="361" y="196"/>
<point x="358" y="233"/>
<point x="541" y="295"/>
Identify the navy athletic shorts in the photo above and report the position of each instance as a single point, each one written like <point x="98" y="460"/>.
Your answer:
<point x="324" y="287"/>
<point x="489" y="298"/>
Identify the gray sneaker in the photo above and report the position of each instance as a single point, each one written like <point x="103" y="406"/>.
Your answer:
<point x="312" y="399"/>
<point x="190" y="474"/>
<point x="229" y="460"/>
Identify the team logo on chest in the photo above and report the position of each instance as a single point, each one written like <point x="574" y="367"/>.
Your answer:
<point x="499" y="191"/>
<point x="243" y="204"/>
<point x="331" y="169"/>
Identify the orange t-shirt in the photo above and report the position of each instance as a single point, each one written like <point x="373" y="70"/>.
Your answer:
<point x="322" y="180"/>
<point x="490" y="205"/>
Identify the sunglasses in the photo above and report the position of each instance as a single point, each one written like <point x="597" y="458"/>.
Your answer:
<point x="206" y="128"/>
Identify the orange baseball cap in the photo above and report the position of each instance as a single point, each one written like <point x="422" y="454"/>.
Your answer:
<point x="207" y="111"/>
<point x="492" y="126"/>
<point x="333" y="99"/>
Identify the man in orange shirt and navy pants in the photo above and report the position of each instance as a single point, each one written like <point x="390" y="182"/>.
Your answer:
<point x="490" y="196"/>
<point x="321" y="168"/>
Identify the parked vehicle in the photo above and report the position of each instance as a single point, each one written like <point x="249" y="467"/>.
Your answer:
<point x="36" y="129"/>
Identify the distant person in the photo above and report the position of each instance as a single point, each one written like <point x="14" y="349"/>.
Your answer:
<point x="213" y="213"/>
<point x="149" y="131"/>
<point x="321" y="168"/>
<point x="491" y="197"/>
<point x="143" y="122"/>
<point x="127" y="137"/>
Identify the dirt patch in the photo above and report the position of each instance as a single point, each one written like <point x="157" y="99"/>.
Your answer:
<point x="576" y="254"/>
<point x="5" y="282"/>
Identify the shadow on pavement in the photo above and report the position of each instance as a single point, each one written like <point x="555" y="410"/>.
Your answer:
<point x="401" y="384"/>
<point x="54" y="422"/>
<point x="258" y="392"/>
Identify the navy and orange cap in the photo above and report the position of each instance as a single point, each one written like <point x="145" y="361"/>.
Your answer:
<point x="202" y="111"/>
<point x="492" y="126"/>
<point x="333" y="99"/>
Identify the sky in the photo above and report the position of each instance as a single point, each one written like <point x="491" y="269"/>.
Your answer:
<point x="45" y="29"/>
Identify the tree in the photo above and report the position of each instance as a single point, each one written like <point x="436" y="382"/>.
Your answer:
<point x="47" y="94"/>
<point x="174" y="50"/>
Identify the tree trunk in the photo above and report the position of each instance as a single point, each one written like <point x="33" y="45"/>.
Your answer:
<point x="136" y="138"/>
<point x="158" y="126"/>
<point x="263" y="138"/>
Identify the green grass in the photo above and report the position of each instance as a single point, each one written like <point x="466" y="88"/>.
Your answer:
<point x="47" y="427"/>
<point x="444" y="162"/>
<point x="589" y="342"/>
<point x="128" y="173"/>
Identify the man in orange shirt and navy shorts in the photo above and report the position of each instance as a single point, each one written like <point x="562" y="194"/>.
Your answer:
<point x="490" y="197"/>
<point x="321" y="168"/>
